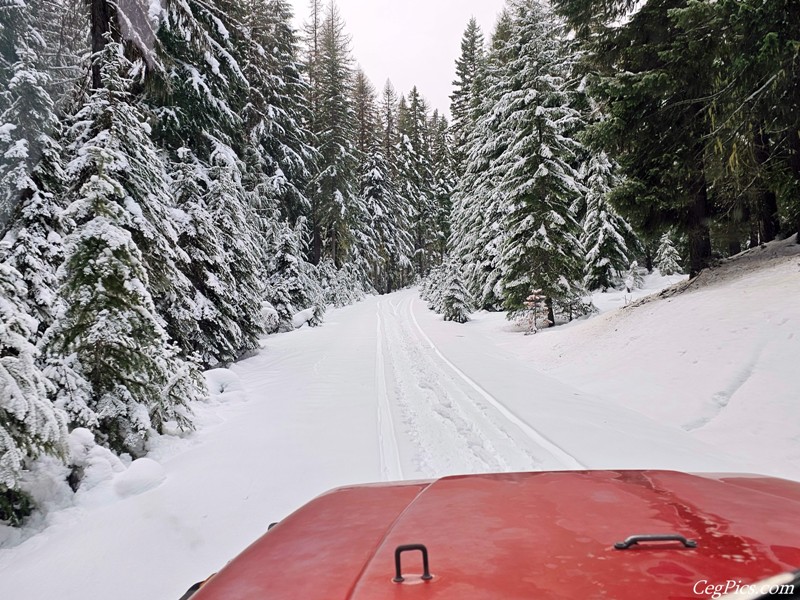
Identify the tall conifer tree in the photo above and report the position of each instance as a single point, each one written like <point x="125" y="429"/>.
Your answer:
<point x="338" y="208"/>
<point x="116" y="251"/>
<point x="477" y="216"/>
<point x="542" y="250"/>
<point x="29" y="423"/>
<point x="466" y="91"/>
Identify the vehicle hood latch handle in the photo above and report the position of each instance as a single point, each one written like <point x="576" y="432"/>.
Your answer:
<point x="426" y="573"/>
<point x="668" y="537"/>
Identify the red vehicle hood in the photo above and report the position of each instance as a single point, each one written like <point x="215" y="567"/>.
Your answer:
<point x="546" y="535"/>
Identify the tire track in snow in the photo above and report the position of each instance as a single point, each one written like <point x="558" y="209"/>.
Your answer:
<point x="560" y="454"/>
<point x="449" y="430"/>
<point x="391" y="469"/>
<point x="720" y="401"/>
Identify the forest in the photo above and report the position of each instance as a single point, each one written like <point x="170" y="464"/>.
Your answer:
<point x="180" y="178"/>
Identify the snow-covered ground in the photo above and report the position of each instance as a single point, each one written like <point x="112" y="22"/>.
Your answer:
<point x="699" y="380"/>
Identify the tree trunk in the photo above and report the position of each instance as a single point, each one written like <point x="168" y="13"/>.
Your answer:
<point x="753" y="234"/>
<point x="333" y="240"/>
<point x="551" y="317"/>
<point x="316" y="244"/>
<point x="794" y="164"/>
<point x="648" y="257"/>
<point x="769" y="223"/>
<point x="699" y="233"/>
<point x="100" y="25"/>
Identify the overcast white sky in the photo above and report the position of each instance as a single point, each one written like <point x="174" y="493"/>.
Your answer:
<point x="411" y="42"/>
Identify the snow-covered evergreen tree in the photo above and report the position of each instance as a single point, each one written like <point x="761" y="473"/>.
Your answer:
<point x="434" y="286"/>
<point x="64" y="30"/>
<point x="209" y="121"/>
<point x="289" y="288"/>
<point x="281" y="158"/>
<point x="415" y="177"/>
<point x="239" y="236"/>
<point x="199" y="96"/>
<point x="366" y="113"/>
<point x="337" y="212"/>
<point x="444" y="180"/>
<point x="29" y="423"/>
<point x="466" y="89"/>
<point x="542" y="249"/>
<point x="606" y="236"/>
<point x="37" y="248"/>
<point x="478" y="214"/>
<point x="28" y="120"/>
<point x="119" y="253"/>
<point x="388" y="122"/>
<point x="389" y="225"/>
<point x="455" y="301"/>
<point x="341" y="287"/>
<point x="112" y="135"/>
<point x="312" y="65"/>
<point x="668" y="259"/>
<point x="219" y="337"/>
<point x="633" y="278"/>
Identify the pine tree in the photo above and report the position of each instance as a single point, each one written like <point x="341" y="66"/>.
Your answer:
<point x="633" y="277"/>
<point x="389" y="225"/>
<point x="337" y="208"/>
<point x="444" y="180"/>
<point x="466" y="91"/>
<point x="415" y="177"/>
<point x="29" y="423"/>
<point x="28" y="120"/>
<point x="434" y="287"/>
<point x="542" y="250"/>
<point x="667" y="260"/>
<point x="478" y="212"/>
<point x="37" y="248"/>
<point x="365" y="247"/>
<point x="661" y="146"/>
<point x="366" y="114"/>
<point x="210" y="120"/>
<point x="388" y="122"/>
<point x="288" y="288"/>
<point x="36" y="229"/>
<point x="116" y="125"/>
<point x="281" y="156"/>
<point x="64" y="31"/>
<point x="455" y="302"/>
<point x="220" y="337"/>
<point x="110" y="321"/>
<point x="199" y="96"/>
<point x="312" y="36"/>
<point x="240" y="241"/>
<point x="606" y="235"/>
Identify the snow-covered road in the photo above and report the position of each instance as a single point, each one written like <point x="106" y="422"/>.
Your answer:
<point x="384" y="390"/>
<point x="443" y="421"/>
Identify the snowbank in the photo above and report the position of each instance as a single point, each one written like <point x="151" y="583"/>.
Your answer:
<point x="303" y="317"/>
<point x="144" y="474"/>
<point x="223" y="384"/>
<point x="715" y="356"/>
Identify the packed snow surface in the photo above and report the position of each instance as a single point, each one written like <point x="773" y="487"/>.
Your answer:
<point x="702" y="378"/>
<point x="143" y="474"/>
